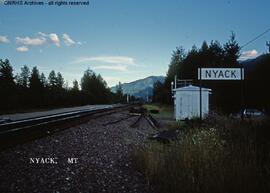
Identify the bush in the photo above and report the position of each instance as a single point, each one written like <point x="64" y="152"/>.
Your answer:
<point x="223" y="156"/>
<point x="154" y="111"/>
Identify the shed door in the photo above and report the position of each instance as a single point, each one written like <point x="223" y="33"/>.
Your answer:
<point x="185" y="106"/>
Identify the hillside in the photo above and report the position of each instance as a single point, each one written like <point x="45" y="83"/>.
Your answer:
<point x="256" y="82"/>
<point x="252" y="65"/>
<point x="141" y="87"/>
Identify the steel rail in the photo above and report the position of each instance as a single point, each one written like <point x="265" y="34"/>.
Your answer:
<point x="43" y="120"/>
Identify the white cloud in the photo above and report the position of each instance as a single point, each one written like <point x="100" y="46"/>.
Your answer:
<point x="42" y="34"/>
<point x="67" y="40"/>
<point x="22" y="49"/>
<point x="4" y="39"/>
<point x="249" y="54"/>
<point x="44" y="38"/>
<point x="54" y="39"/>
<point x="107" y="59"/>
<point x="27" y="41"/>
<point x="110" y="63"/>
<point x="121" y="68"/>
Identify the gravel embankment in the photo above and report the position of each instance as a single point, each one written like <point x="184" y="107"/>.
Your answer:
<point x="103" y="162"/>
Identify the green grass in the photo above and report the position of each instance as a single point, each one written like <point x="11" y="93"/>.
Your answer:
<point x="222" y="156"/>
<point x="165" y="111"/>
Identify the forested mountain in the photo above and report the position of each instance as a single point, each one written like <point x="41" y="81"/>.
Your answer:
<point x="257" y="79"/>
<point x="140" y="88"/>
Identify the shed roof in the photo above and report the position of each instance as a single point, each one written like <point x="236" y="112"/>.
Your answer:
<point x="192" y="88"/>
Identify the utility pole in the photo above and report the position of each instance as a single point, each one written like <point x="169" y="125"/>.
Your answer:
<point x="268" y="45"/>
<point x="200" y="97"/>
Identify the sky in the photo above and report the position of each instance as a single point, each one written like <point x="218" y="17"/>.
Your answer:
<point x="124" y="40"/>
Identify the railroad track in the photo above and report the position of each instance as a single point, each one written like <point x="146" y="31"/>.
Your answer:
<point x="15" y="132"/>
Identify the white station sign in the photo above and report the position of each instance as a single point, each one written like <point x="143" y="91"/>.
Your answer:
<point x="220" y="74"/>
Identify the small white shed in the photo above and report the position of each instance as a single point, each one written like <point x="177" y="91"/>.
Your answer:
<point x="187" y="102"/>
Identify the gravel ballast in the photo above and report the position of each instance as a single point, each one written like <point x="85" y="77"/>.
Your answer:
<point x="102" y="152"/>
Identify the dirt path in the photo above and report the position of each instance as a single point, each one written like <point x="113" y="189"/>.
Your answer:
<point x="103" y="163"/>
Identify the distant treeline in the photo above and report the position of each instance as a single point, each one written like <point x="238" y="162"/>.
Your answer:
<point x="30" y="89"/>
<point x="227" y="96"/>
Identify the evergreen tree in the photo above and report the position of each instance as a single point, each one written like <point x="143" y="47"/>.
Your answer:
<point x="34" y="90"/>
<point x="35" y="80"/>
<point x="23" y="78"/>
<point x="158" y="92"/>
<point x="52" y="80"/>
<point x="43" y="80"/>
<point x="95" y="87"/>
<point x="6" y="75"/>
<point x="119" y="95"/>
<point x="176" y="63"/>
<point x="119" y="89"/>
<point x="231" y="51"/>
<point x="7" y="85"/>
<point x="175" y="69"/>
<point x="59" y="81"/>
<point x="216" y="54"/>
<point x="204" y="55"/>
<point x="86" y="81"/>
<point x="75" y="85"/>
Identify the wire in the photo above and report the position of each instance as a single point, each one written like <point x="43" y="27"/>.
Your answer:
<point x="257" y="37"/>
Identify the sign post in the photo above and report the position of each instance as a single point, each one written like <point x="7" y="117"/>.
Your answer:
<point x="221" y="74"/>
<point x="200" y="75"/>
<point x="242" y="93"/>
